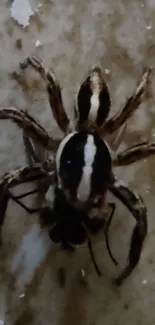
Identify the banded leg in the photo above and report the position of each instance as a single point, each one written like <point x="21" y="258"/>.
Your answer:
<point x="23" y="175"/>
<point x="17" y="177"/>
<point x="30" y="148"/>
<point x="130" y="107"/>
<point x="136" y="206"/>
<point x="134" y="153"/>
<point x="53" y="89"/>
<point x="30" y="126"/>
<point x="34" y="157"/>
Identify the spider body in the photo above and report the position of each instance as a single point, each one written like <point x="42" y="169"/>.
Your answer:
<point x="81" y="171"/>
<point x="80" y="160"/>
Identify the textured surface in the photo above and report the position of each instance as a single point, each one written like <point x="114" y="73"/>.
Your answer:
<point x="119" y="35"/>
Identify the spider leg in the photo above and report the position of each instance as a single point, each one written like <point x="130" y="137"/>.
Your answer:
<point x="115" y="139"/>
<point x="17" y="199"/>
<point x="136" y="206"/>
<point x="23" y="175"/>
<point x="4" y="200"/>
<point x="134" y="153"/>
<point x="53" y="89"/>
<point x="21" y="196"/>
<point x="35" y="157"/>
<point x="106" y="231"/>
<point x="14" y="178"/>
<point x="30" y="149"/>
<point x="30" y="126"/>
<point x="130" y="107"/>
<point x="95" y="223"/>
<point x="27" y="209"/>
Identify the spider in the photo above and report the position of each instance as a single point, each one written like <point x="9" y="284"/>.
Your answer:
<point x="77" y="176"/>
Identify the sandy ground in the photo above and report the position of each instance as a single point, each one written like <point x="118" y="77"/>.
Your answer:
<point x="119" y="35"/>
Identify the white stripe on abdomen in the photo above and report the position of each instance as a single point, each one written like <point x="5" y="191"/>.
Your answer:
<point x="84" y="188"/>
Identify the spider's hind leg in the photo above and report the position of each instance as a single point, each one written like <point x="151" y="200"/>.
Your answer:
<point x="136" y="206"/>
<point x="17" y="177"/>
<point x="53" y="89"/>
<point x="132" y="154"/>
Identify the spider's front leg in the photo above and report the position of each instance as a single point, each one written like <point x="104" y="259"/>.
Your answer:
<point x="136" y="206"/>
<point x="53" y="89"/>
<point x="115" y="122"/>
<point x="134" y="153"/>
<point x="30" y="126"/>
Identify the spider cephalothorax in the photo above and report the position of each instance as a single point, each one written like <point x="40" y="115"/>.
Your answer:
<point x="76" y="179"/>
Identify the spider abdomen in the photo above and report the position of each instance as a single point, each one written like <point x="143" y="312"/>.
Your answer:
<point x="83" y="164"/>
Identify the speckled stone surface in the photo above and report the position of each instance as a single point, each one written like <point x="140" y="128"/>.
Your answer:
<point x="119" y="35"/>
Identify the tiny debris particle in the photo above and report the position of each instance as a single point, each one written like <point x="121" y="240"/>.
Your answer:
<point x="37" y="43"/>
<point x="107" y="71"/>
<point x="1" y="322"/>
<point x="126" y="306"/>
<point x="21" y="12"/>
<point x="19" y="44"/>
<point x="22" y="296"/>
<point x="38" y="7"/>
<point x="144" y="282"/>
<point x="148" y="27"/>
<point x="142" y="5"/>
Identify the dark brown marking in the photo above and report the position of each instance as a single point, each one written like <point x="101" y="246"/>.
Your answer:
<point x="18" y="44"/>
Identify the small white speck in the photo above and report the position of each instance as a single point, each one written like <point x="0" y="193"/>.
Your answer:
<point x="153" y="134"/>
<point x="107" y="71"/>
<point x="37" y="43"/>
<point x="1" y="322"/>
<point x="142" y="5"/>
<point x="149" y="27"/>
<point x="83" y="273"/>
<point x="144" y="282"/>
<point x="21" y="296"/>
<point x="38" y="7"/>
<point x="145" y="161"/>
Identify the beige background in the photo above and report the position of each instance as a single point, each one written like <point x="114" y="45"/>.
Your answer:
<point x="74" y="35"/>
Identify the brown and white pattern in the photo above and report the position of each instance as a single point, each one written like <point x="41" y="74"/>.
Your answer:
<point x="84" y="166"/>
